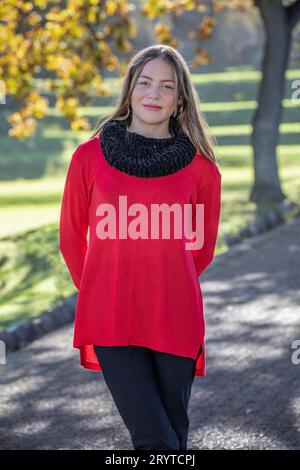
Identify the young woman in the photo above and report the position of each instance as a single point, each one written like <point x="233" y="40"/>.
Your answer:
<point x="145" y="185"/>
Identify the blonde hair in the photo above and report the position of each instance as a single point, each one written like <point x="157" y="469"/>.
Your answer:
<point x="191" y="120"/>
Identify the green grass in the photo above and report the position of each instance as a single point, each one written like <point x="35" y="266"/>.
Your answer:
<point x="33" y="276"/>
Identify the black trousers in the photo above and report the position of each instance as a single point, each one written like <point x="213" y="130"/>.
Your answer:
<point x="151" y="390"/>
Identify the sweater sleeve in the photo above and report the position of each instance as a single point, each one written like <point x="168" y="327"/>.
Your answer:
<point x="74" y="218"/>
<point x="209" y="194"/>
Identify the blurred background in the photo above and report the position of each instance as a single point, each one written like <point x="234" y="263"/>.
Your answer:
<point x="61" y="68"/>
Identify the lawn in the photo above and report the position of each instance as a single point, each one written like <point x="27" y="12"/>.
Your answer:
<point x="33" y="276"/>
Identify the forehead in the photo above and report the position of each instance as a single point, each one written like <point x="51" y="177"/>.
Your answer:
<point x="159" y="69"/>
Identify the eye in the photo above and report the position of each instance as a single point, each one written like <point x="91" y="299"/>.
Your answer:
<point x="145" y="83"/>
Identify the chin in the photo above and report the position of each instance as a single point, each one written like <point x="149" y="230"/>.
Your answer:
<point x="148" y="119"/>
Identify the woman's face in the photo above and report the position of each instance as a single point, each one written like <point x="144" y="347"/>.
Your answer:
<point x="155" y="85"/>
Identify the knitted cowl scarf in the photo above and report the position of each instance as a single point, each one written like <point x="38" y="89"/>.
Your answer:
<point x="142" y="156"/>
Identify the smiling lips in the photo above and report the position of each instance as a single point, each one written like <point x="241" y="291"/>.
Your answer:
<point x="152" y="106"/>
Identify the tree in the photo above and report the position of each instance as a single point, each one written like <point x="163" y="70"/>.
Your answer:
<point x="279" y="17"/>
<point x="279" y="21"/>
<point x="70" y="43"/>
<point x="74" y="41"/>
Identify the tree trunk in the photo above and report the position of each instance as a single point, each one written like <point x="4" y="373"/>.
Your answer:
<point x="267" y="117"/>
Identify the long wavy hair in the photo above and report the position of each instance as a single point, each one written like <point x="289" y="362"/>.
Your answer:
<point x="188" y="114"/>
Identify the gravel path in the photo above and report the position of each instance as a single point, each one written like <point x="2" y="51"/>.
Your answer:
<point x="250" y="398"/>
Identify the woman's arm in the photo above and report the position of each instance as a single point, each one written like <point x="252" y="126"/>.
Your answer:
<point x="209" y="194"/>
<point x="74" y="218"/>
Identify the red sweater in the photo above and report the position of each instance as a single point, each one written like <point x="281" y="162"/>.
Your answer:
<point x="139" y="291"/>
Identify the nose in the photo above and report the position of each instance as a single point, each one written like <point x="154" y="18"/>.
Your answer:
<point x="154" y="92"/>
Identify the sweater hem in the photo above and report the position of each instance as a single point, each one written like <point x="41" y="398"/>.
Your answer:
<point x="87" y="352"/>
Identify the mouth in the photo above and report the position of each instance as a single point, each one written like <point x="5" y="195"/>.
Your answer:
<point x="150" y="106"/>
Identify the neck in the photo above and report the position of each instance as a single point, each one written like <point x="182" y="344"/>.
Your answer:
<point x="139" y="130"/>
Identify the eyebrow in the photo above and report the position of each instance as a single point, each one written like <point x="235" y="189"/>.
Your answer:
<point x="167" y="80"/>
